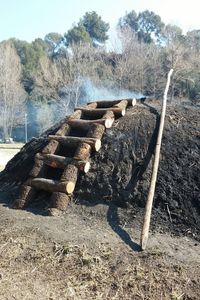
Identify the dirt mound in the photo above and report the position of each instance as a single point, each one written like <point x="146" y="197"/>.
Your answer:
<point x="120" y="172"/>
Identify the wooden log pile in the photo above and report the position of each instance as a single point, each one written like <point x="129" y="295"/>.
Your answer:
<point x="91" y="121"/>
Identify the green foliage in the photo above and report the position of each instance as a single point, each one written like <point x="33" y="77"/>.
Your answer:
<point x="77" y="35"/>
<point x="53" y="38"/>
<point x="30" y="54"/>
<point x="95" y="26"/>
<point x="193" y="40"/>
<point x="130" y="20"/>
<point x="90" y="29"/>
<point x="147" y="25"/>
<point x="172" y="34"/>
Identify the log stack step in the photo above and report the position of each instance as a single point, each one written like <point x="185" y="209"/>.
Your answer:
<point x="103" y="114"/>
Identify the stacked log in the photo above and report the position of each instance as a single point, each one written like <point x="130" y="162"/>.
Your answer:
<point x="27" y="192"/>
<point x="103" y="114"/>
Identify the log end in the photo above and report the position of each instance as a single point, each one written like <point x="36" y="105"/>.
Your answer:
<point x="86" y="167"/>
<point x="108" y="123"/>
<point x="123" y="112"/>
<point x="134" y="101"/>
<point x="97" y="145"/>
<point x="70" y="186"/>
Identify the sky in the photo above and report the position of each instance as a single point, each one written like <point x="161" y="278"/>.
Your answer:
<point x="30" y="19"/>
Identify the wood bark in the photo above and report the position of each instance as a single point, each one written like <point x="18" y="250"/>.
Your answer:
<point x="57" y="161"/>
<point x="50" y="185"/>
<point x="148" y="207"/>
<point x="96" y="131"/>
<point x="73" y="141"/>
<point x="26" y="194"/>
<point x="99" y="112"/>
<point x="63" y="130"/>
<point x="59" y="201"/>
<point x="70" y="173"/>
<point x="122" y="104"/>
<point x="38" y="169"/>
<point x="75" y="115"/>
<point x="86" y="124"/>
<point x="110" y="103"/>
<point x="83" y="152"/>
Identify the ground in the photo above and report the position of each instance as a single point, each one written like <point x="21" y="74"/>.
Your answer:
<point x="7" y="151"/>
<point x="80" y="256"/>
<point x="92" y="250"/>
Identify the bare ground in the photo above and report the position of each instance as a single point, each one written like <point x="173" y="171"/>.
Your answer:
<point x="81" y="255"/>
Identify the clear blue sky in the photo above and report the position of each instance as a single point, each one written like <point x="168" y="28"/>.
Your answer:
<point x="29" y="19"/>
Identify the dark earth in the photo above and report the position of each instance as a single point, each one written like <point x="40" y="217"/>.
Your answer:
<point x="91" y="252"/>
<point x="120" y="172"/>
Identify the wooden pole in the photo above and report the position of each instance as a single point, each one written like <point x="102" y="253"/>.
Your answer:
<point x="148" y="208"/>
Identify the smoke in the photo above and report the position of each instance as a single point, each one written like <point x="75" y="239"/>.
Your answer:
<point x="95" y="93"/>
<point x="42" y="115"/>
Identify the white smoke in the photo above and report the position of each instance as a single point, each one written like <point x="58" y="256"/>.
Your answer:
<point x="93" y="92"/>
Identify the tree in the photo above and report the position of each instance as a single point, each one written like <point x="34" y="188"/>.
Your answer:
<point x="193" y="40"/>
<point x="90" y="29"/>
<point x="12" y="95"/>
<point x="129" y="20"/>
<point x="171" y="34"/>
<point x="175" y="55"/>
<point x="149" y="26"/>
<point x="54" y="43"/>
<point x="77" y="35"/>
<point x="30" y="54"/>
<point x="44" y="116"/>
<point x="95" y="27"/>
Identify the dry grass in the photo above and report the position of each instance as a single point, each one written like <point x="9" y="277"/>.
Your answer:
<point x="34" y="268"/>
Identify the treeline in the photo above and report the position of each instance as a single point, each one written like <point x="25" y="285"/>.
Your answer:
<point x="51" y="73"/>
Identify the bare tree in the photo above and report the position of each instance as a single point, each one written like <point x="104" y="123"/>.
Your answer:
<point x="12" y="94"/>
<point x="44" y="115"/>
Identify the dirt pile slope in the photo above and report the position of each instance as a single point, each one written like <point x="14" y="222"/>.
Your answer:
<point x="120" y="172"/>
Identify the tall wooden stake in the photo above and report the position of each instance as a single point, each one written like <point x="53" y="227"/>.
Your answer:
<point x="148" y="207"/>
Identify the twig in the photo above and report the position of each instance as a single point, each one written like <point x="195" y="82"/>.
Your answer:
<point x="169" y="212"/>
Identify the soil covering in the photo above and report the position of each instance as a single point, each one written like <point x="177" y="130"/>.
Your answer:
<point x="120" y="172"/>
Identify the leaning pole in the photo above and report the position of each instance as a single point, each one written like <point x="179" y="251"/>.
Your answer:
<point x="149" y="203"/>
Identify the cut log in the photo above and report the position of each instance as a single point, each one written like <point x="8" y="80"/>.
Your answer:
<point x="91" y="105"/>
<point x="110" y="103"/>
<point x="26" y="195"/>
<point x="38" y="169"/>
<point x="83" y="152"/>
<point x="59" y="201"/>
<point x="122" y="104"/>
<point x="86" y="124"/>
<point x="75" y="115"/>
<point x="70" y="173"/>
<point x="50" y="185"/>
<point x="56" y="161"/>
<point x="51" y="147"/>
<point x="73" y="141"/>
<point x="63" y="130"/>
<point x="99" y="112"/>
<point x="96" y="131"/>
